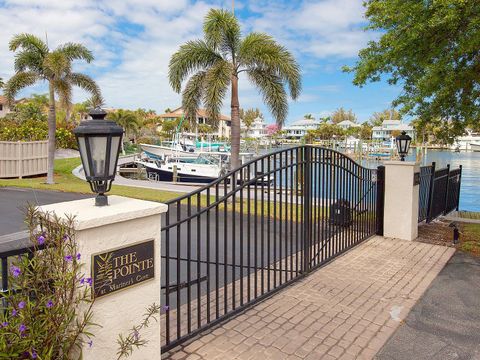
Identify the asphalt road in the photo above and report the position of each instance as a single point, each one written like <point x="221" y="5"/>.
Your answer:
<point x="445" y="323"/>
<point x="12" y="200"/>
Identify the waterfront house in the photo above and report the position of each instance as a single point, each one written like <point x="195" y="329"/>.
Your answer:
<point x="298" y="129"/>
<point x="4" y="108"/>
<point x="347" y="124"/>
<point x="257" y="130"/>
<point x="222" y="130"/>
<point x="391" y="128"/>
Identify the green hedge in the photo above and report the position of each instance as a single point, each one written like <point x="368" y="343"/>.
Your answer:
<point x="35" y="130"/>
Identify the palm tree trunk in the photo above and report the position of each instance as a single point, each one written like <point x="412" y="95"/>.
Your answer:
<point x="51" y="134"/>
<point x="235" y="125"/>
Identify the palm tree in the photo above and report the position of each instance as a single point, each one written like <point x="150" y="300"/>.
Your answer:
<point x="1" y="83"/>
<point x="95" y="101"/>
<point x="34" y="62"/>
<point x="126" y="119"/>
<point x="215" y="63"/>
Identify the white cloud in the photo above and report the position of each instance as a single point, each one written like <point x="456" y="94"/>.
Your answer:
<point x="133" y="40"/>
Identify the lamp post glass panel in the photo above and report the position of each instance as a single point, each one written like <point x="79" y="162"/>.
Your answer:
<point x="403" y="145"/>
<point x="99" y="143"/>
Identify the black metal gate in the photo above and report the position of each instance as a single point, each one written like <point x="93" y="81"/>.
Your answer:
<point x="439" y="191"/>
<point x="257" y="229"/>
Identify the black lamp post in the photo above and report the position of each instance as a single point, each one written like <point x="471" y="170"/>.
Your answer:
<point x="99" y="143"/>
<point x="403" y="145"/>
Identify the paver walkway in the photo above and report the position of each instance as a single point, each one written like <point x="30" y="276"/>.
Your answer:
<point x="346" y="310"/>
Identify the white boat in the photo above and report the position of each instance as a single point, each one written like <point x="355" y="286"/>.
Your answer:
<point x="161" y="151"/>
<point x="467" y="142"/>
<point x="194" y="169"/>
<point x="475" y="147"/>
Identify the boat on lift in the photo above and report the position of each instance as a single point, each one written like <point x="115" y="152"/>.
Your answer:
<point x="202" y="168"/>
<point x="182" y="145"/>
<point x="475" y="147"/>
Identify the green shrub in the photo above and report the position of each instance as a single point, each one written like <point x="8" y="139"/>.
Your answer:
<point x="49" y="314"/>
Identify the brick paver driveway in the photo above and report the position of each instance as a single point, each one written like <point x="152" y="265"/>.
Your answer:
<point x="345" y="310"/>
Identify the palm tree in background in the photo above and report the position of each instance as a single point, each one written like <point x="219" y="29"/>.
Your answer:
<point x="95" y="101"/>
<point x="128" y="120"/>
<point x="34" y="62"/>
<point x="1" y="83"/>
<point x="215" y="63"/>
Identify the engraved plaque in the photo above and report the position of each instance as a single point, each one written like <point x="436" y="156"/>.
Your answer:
<point x="120" y="268"/>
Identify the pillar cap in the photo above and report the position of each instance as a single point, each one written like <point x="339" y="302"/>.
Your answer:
<point x="120" y="209"/>
<point x="398" y="162"/>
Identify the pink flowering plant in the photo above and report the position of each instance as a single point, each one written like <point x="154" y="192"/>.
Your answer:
<point x="47" y="314"/>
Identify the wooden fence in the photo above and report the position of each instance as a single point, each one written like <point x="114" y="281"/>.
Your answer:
<point x="19" y="159"/>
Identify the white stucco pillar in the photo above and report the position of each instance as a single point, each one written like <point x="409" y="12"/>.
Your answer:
<point x="124" y="228"/>
<point x="401" y="200"/>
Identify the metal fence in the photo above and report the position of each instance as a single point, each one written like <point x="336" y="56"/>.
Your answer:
<point x="439" y="191"/>
<point x="257" y="229"/>
<point x="424" y="192"/>
<point x="4" y="260"/>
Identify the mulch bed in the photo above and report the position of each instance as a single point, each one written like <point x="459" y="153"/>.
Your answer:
<point x="438" y="232"/>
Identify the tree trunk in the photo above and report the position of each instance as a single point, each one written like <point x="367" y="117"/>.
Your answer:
<point x="235" y="125"/>
<point x="51" y="134"/>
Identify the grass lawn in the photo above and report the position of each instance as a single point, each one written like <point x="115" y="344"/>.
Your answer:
<point x="67" y="182"/>
<point x="470" y="238"/>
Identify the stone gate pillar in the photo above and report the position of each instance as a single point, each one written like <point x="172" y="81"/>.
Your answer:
<point x="120" y="250"/>
<point x="402" y="183"/>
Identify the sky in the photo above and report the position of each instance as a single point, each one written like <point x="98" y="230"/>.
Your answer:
<point x="133" y="40"/>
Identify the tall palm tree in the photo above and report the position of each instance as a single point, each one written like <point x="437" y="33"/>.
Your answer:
<point x="34" y="62"/>
<point x="215" y="63"/>
<point x="1" y="83"/>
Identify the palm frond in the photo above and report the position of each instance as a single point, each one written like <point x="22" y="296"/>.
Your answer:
<point x="222" y="30"/>
<point x="17" y="82"/>
<point x="27" y="59"/>
<point x="28" y="42"/>
<point x="95" y="101"/>
<point x="273" y="91"/>
<point x="192" y="95"/>
<point x="74" y="51"/>
<point x="85" y="82"/>
<point x="56" y="65"/>
<point x="64" y="90"/>
<point x="217" y="81"/>
<point x="259" y="50"/>
<point x="192" y="56"/>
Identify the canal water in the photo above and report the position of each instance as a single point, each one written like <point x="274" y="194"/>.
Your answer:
<point x="470" y="189"/>
<point x="470" y="161"/>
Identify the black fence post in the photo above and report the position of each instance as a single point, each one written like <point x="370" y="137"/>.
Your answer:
<point x="446" y="191"/>
<point x="380" y="198"/>
<point x="307" y="211"/>
<point x="430" y="194"/>
<point x="459" y="187"/>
